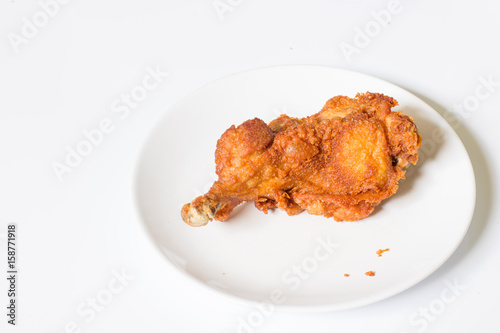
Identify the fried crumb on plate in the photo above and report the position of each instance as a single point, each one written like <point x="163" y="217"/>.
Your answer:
<point x="346" y="275"/>
<point x="380" y="251"/>
<point x="370" y="273"/>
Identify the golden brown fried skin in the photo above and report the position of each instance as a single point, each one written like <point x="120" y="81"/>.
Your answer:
<point x="340" y="162"/>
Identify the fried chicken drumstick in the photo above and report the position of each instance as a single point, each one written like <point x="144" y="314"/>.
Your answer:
<point x="340" y="162"/>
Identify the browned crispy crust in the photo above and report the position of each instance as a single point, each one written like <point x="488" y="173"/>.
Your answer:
<point x="340" y="162"/>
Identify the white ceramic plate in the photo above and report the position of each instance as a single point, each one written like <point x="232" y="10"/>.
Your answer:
<point x="299" y="262"/>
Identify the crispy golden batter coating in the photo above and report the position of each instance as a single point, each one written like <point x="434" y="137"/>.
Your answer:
<point x="340" y="162"/>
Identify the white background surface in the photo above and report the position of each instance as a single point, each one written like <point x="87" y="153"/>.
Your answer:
<point x="77" y="234"/>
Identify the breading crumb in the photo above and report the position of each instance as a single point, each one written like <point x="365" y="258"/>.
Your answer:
<point x="370" y="273"/>
<point x="380" y="251"/>
<point x="346" y="275"/>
